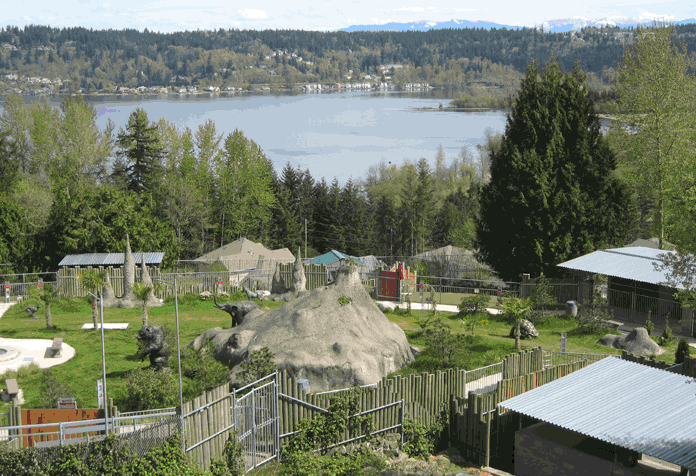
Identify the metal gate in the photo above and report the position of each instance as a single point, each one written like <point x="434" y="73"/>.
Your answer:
<point x="256" y="422"/>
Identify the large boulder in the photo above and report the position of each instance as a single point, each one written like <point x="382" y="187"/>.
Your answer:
<point x="527" y="330"/>
<point x="638" y="341"/>
<point x="335" y="336"/>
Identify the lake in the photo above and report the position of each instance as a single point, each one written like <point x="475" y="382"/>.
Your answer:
<point x="337" y="134"/>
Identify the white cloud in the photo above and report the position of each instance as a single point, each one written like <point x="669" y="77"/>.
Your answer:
<point x="106" y="5"/>
<point x="410" y="9"/>
<point x="432" y="8"/>
<point x="249" y="13"/>
<point x="466" y="9"/>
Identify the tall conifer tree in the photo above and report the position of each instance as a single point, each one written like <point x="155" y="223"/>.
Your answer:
<point x="553" y="194"/>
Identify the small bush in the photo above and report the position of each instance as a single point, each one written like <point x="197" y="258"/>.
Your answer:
<point x="52" y="389"/>
<point x="258" y="365"/>
<point x="649" y="326"/>
<point x="473" y="304"/>
<point x="148" y="389"/>
<point x="682" y="353"/>
<point x="202" y="372"/>
<point x="666" y="338"/>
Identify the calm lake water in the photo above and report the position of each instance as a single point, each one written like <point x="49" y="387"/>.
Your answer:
<point x="339" y="134"/>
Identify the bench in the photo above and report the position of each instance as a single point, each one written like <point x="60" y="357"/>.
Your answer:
<point x="54" y="350"/>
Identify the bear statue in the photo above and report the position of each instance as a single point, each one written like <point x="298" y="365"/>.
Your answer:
<point x="155" y="346"/>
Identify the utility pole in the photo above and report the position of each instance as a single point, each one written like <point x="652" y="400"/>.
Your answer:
<point x="305" y="238"/>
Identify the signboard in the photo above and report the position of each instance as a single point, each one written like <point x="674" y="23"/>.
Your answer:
<point x="7" y="291"/>
<point x="219" y="281"/>
<point x="40" y="283"/>
<point x="100" y="393"/>
<point x="563" y="343"/>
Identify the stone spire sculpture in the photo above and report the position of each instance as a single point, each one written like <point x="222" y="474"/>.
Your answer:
<point x="128" y="278"/>
<point x="147" y="281"/>
<point x="298" y="277"/>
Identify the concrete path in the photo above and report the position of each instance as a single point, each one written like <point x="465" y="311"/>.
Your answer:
<point x="428" y="307"/>
<point x="5" y="306"/>
<point x="35" y="349"/>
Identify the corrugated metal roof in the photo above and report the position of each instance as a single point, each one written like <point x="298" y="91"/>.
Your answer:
<point x="109" y="259"/>
<point x="634" y="263"/>
<point x="620" y="402"/>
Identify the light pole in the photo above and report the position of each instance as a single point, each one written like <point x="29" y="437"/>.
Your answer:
<point x="178" y="359"/>
<point x="101" y="319"/>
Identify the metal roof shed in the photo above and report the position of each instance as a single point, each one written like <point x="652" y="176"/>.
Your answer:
<point x="634" y="288"/>
<point x="624" y="403"/>
<point x="110" y="259"/>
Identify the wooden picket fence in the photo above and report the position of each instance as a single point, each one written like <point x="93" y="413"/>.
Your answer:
<point x="70" y="283"/>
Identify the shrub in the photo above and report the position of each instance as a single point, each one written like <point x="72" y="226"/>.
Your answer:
<point x="442" y="343"/>
<point x="201" y="370"/>
<point x="148" y="389"/>
<point x="473" y="304"/>
<point x="258" y="365"/>
<point x="649" y="326"/>
<point x="593" y="315"/>
<point x="424" y="323"/>
<point x="472" y="320"/>
<point x="682" y="351"/>
<point x="666" y="338"/>
<point x="419" y="440"/>
<point x="52" y="389"/>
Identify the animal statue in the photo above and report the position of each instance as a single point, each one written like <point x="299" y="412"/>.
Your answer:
<point x="31" y="310"/>
<point x="237" y="310"/>
<point x="260" y="295"/>
<point x="527" y="330"/>
<point x="155" y="346"/>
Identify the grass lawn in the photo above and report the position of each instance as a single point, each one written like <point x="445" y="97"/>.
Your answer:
<point x="489" y="346"/>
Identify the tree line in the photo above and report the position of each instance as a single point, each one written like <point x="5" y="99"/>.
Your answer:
<point x="550" y="188"/>
<point x="69" y="187"/>
<point x="454" y="58"/>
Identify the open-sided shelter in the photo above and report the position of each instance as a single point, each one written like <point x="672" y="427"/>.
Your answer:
<point x="603" y="418"/>
<point x="634" y="291"/>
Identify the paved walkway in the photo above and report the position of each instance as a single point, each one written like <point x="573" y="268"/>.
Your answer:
<point x="428" y="307"/>
<point x="5" y="306"/>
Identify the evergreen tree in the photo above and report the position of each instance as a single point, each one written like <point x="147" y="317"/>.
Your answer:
<point x="553" y="194"/>
<point x="140" y="154"/>
<point x="321" y="217"/>
<point x="425" y="206"/>
<point x="386" y="230"/>
<point x="407" y="211"/>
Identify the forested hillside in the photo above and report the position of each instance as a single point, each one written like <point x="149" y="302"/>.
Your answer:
<point x="473" y="61"/>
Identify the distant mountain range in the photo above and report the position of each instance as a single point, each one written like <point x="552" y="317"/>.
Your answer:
<point x="555" y="26"/>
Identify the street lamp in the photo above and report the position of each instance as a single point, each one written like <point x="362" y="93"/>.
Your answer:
<point x="101" y="318"/>
<point x="178" y="359"/>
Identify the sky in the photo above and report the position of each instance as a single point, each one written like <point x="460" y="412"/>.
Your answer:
<point x="178" y="15"/>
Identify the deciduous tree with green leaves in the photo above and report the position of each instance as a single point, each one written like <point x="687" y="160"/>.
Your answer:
<point x="656" y="97"/>
<point x="552" y="194"/>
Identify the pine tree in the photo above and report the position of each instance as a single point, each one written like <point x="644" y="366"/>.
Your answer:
<point x="140" y="155"/>
<point x="553" y="194"/>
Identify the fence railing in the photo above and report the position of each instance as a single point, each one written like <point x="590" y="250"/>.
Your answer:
<point x="559" y="358"/>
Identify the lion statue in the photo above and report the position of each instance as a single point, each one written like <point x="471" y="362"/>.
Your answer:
<point x="155" y="346"/>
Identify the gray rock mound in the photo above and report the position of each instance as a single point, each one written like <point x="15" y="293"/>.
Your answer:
<point x="637" y="342"/>
<point x="527" y="330"/>
<point x="319" y="337"/>
<point x="386" y="306"/>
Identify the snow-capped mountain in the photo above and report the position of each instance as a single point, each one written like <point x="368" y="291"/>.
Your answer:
<point x="560" y="25"/>
<point x="577" y="23"/>
<point x="429" y="25"/>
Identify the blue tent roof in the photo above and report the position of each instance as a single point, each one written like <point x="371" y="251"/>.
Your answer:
<point x="332" y="257"/>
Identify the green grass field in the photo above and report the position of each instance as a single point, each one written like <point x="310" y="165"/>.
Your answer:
<point x="489" y="346"/>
